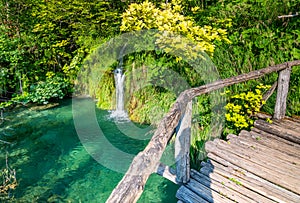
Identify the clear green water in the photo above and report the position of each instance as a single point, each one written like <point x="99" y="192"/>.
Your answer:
<point x="53" y="166"/>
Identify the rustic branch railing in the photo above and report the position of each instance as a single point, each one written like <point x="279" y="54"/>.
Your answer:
<point x="147" y="162"/>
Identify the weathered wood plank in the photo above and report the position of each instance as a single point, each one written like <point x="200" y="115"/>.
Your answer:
<point x="253" y="152"/>
<point x="291" y="121"/>
<point x="276" y="130"/>
<point x="261" y="171"/>
<point x="273" y="142"/>
<point x="247" y="140"/>
<point x="292" y="126"/>
<point x="267" y="163"/>
<point x="206" y="192"/>
<point x="272" y="136"/>
<point x="166" y="172"/>
<point x="182" y="146"/>
<point x="262" y="115"/>
<point x="294" y="118"/>
<point x="237" y="185"/>
<point x="251" y="181"/>
<point x="282" y="92"/>
<point x="187" y="196"/>
<point x="226" y="187"/>
<point x="132" y="184"/>
<point x="276" y="142"/>
<point x="269" y="93"/>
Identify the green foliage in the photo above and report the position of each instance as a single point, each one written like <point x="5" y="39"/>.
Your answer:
<point x="11" y="62"/>
<point x="151" y="86"/>
<point x="235" y="181"/>
<point x="55" y="87"/>
<point x="258" y="37"/>
<point x="242" y="108"/>
<point x="149" y="105"/>
<point x="151" y="96"/>
<point x="201" y="123"/>
<point x="37" y="37"/>
<point x="293" y="101"/>
<point x="63" y="27"/>
<point x="105" y="91"/>
<point x="169" y="18"/>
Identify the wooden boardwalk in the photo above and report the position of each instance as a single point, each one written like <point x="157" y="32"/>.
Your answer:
<point x="262" y="165"/>
<point x="257" y="166"/>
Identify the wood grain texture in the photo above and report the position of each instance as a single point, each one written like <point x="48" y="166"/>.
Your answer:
<point x="250" y="181"/>
<point x="182" y="146"/>
<point x="282" y="92"/>
<point x="280" y="131"/>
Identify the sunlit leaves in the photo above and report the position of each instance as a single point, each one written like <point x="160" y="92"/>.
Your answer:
<point x="242" y="108"/>
<point x="169" y="18"/>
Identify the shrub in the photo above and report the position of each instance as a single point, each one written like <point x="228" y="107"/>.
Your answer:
<point x="169" y="18"/>
<point x="55" y="87"/>
<point x="242" y="108"/>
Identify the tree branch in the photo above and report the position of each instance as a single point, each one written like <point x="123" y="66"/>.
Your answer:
<point x="289" y="16"/>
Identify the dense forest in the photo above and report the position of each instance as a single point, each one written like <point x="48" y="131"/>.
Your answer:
<point x="44" y="44"/>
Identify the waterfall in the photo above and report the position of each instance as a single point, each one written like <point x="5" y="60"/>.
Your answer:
<point x="119" y="81"/>
<point x="119" y="113"/>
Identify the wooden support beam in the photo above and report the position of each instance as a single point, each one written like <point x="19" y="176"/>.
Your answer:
<point x="166" y="172"/>
<point x="269" y="93"/>
<point x="282" y="92"/>
<point x="182" y="146"/>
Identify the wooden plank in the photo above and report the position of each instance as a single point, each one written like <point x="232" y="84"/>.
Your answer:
<point x="253" y="152"/>
<point x="262" y="115"/>
<point x="292" y="147"/>
<point x="248" y="139"/>
<point x="270" y="91"/>
<point x="272" y="142"/>
<point x="167" y="172"/>
<point x="130" y="188"/>
<point x="268" y="163"/>
<point x="294" y="118"/>
<point x="279" y="127"/>
<point x="206" y="192"/>
<point x="233" y="182"/>
<point x="292" y="121"/>
<point x="239" y="186"/>
<point x="282" y="92"/>
<point x="287" y="125"/>
<point x="276" y="130"/>
<point x="182" y="146"/>
<point x="187" y="196"/>
<point x="226" y="187"/>
<point x="261" y="171"/>
<point x="251" y="181"/>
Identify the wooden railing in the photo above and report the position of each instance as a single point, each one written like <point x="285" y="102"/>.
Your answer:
<point x="147" y="162"/>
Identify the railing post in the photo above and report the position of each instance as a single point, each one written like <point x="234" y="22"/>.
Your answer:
<point x="282" y="92"/>
<point x="182" y="146"/>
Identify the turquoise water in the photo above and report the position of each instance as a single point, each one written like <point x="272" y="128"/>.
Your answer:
<point x="52" y="165"/>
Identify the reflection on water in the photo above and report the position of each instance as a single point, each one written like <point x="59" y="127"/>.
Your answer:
<point x="53" y="166"/>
